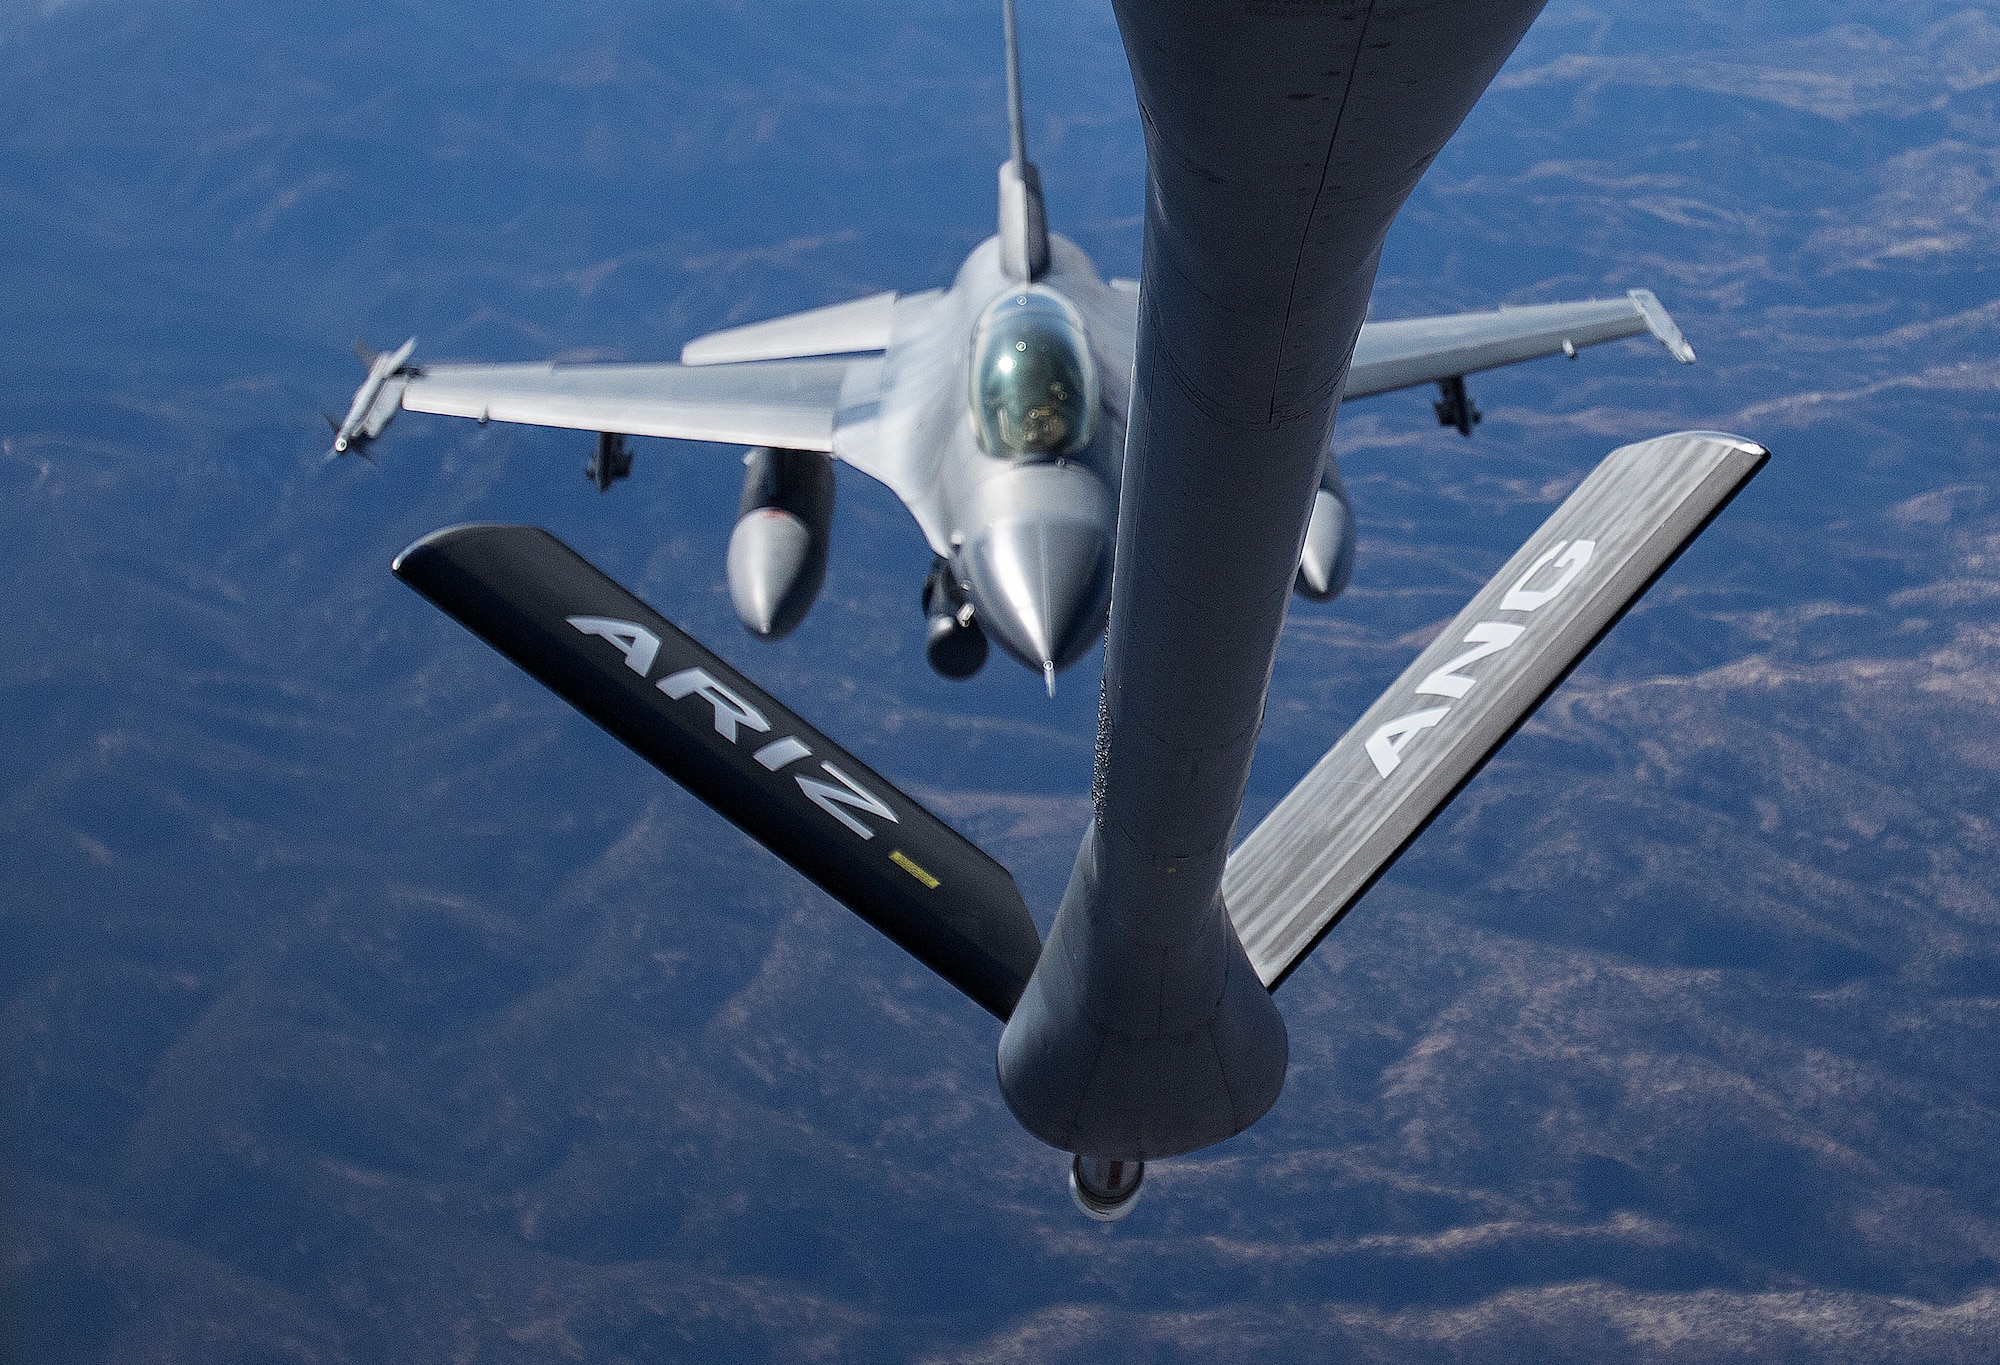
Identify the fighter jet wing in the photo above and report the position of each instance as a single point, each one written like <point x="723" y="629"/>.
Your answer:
<point x="1396" y="355"/>
<point x="1375" y="791"/>
<point x="786" y="403"/>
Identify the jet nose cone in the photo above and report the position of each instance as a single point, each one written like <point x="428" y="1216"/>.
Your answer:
<point x="1041" y="586"/>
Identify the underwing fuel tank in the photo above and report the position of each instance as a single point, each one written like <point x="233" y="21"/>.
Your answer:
<point x="1326" y="561"/>
<point x="777" y="553"/>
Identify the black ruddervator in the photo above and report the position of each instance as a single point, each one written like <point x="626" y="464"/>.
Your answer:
<point x="729" y="742"/>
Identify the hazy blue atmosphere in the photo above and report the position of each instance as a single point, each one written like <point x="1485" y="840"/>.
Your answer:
<point x="360" y="1002"/>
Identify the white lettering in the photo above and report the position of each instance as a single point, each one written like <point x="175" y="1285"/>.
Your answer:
<point x="1568" y="555"/>
<point x="830" y="799"/>
<point x="730" y="709"/>
<point x="636" y="643"/>
<point x="1488" y="637"/>
<point x="1385" y="746"/>
<point x="779" y="752"/>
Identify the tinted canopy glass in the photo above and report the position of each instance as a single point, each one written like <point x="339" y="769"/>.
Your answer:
<point x="1034" y="390"/>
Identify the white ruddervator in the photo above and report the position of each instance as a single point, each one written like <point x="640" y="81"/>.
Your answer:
<point x="1050" y="432"/>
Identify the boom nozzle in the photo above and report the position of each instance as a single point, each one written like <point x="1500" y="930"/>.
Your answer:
<point x="1104" y="1188"/>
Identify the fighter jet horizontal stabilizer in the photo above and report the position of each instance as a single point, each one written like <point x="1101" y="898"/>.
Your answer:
<point x="732" y="744"/>
<point x="1376" y="790"/>
<point x="838" y="329"/>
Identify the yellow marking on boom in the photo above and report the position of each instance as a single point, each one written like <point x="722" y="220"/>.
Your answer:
<point x="904" y="861"/>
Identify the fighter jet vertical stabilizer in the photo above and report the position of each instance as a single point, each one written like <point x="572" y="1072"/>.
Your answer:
<point x="1024" y="222"/>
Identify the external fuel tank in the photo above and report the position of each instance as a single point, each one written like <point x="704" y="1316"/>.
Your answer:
<point x="777" y="553"/>
<point x="1326" y="562"/>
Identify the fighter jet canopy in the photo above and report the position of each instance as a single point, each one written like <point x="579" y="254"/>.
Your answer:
<point x="1034" y="389"/>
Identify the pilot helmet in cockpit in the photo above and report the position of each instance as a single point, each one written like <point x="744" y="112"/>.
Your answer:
<point x="1034" y="389"/>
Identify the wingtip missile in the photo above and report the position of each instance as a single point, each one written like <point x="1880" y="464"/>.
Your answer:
<point x="375" y="402"/>
<point x="1661" y="324"/>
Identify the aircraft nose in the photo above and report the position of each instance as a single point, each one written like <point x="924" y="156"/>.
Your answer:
<point x="1041" y="587"/>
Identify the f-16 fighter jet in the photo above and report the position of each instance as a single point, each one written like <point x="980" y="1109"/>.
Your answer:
<point x="996" y="410"/>
<point x="1054" y="435"/>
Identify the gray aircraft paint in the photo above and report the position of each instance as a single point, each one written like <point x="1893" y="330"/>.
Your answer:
<point x="882" y="383"/>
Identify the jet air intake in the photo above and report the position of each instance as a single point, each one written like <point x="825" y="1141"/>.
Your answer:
<point x="777" y="553"/>
<point x="953" y="642"/>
